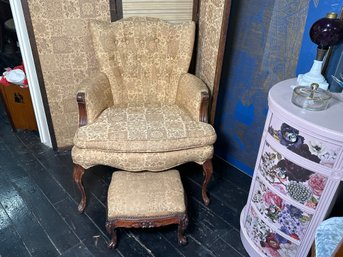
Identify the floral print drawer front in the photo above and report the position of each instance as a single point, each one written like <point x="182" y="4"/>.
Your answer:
<point x="300" y="184"/>
<point x="268" y="241"/>
<point x="304" y="145"/>
<point x="287" y="218"/>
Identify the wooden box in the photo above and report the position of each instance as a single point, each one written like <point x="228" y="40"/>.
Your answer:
<point x="19" y="107"/>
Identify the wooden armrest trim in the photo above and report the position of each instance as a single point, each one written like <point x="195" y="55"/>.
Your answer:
<point x="204" y="107"/>
<point x="81" y="102"/>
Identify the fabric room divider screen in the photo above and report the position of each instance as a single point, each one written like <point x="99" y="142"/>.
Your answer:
<point x="213" y="25"/>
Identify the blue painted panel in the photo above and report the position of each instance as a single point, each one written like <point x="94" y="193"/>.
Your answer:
<point x="244" y="114"/>
<point x="259" y="53"/>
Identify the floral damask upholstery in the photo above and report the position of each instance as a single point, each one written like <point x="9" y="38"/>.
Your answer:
<point x="143" y="58"/>
<point x="128" y="195"/>
<point x="143" y="111"/>
<point x="144" y="129"/>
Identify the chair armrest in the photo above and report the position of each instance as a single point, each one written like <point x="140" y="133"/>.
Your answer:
<point x="193" y="96"/>
<point x="93" y="97"/>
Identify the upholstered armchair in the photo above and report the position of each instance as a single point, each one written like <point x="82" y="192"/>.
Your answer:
<point x="142" y="110"/>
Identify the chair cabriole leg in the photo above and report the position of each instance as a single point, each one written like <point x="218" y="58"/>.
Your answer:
<point x="208" y="171"/>
<point x="77" y="175"/>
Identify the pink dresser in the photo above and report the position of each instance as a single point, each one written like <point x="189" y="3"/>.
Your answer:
<point x="297" y="175"/>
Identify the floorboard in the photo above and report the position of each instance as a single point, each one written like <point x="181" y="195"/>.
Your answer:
<point x="10" y="242"/>
<point x="48" y="217"/>
<point x="83" y="226"/>
<point x="25" y="223"/>
<point x="222" y="249"/>
<point x="79" y="250"/>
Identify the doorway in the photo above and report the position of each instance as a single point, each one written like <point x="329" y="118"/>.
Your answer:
<point x="23" y="46"/>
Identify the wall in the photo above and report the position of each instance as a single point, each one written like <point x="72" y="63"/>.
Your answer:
<point x="65" y="54"/>
<point x="269" y="42"/>
<point x="263" y="45"/>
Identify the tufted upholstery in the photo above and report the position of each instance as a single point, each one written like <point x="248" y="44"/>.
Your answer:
<point x="145" y="194"/>
<point x="143" y="58"/>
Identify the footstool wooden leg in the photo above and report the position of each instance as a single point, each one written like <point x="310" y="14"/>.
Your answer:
<point x="208" y="171"/>
<point x="181" y="230"/>
<point x="77" y="175"/>
<point x="113" y="232"/>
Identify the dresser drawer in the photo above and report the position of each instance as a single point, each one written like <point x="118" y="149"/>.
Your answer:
<point x="281" y="213"/>
<point x="266" y="239"/>
<point x="305" y="145"/>
<point x="290" y="179"/>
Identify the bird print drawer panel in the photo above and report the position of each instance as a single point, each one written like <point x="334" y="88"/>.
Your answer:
<point x="266" y="239"/>
<point x="281" y="213"/>
<point x="290" y="179"/>
<point x="302" y="144"/>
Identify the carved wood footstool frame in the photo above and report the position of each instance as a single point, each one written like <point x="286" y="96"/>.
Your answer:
<point x="174" y="210"/>
<point x="148" y="222"/>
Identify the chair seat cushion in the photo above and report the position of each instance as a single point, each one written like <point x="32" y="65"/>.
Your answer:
<point x="144" y="129"/>
<point x="145" y="194"/>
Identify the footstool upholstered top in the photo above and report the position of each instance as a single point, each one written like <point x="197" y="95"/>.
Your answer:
<point x="145" y="194"/>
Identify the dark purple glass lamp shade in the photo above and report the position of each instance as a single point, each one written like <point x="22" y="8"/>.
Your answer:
<point x="326" y="32"/>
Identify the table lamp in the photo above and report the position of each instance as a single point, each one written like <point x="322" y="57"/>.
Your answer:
<point x="325" y="32"/>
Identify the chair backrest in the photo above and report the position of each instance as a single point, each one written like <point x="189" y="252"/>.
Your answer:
<point x="143" y="58"/>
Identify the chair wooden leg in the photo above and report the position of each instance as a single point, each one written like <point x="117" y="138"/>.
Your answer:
<point x="208" y="171"/>
<point x="181" y="230"/>
<point x="77" y="175"/>
<point x="113" y="232"/>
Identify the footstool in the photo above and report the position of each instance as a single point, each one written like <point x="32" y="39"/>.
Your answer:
<point x="146" y="200"/>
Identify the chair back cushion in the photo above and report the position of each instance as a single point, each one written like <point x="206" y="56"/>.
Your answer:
<point x="143" y="58"/>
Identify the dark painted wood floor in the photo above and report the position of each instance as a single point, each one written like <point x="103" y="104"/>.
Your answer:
<point x="39" y="217"/>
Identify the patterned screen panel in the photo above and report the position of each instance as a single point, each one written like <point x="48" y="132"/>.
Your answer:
<point x="66" y="55"/>
<point x="210" y="25"/>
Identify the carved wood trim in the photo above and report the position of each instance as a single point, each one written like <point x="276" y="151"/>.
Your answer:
<point x="153" y="222"/>
<point x="81" y="102"/>
<point x="204" y="107"/>
<point x="220" y="58"/>
<point x="147" y="222"/>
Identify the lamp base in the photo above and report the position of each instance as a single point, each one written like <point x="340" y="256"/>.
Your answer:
<point x="313" y="76"/>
